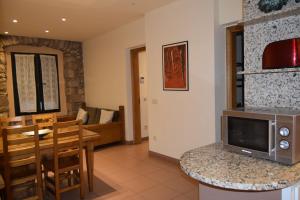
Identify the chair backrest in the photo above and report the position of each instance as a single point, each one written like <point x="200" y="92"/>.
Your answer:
<point x="44" y="120"/>
<point x="12" y="121"/>
<point x="21" y="151"/>
<point x="67" y="141"/>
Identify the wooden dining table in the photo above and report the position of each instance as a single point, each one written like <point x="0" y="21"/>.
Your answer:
<point x="46" y="148"/>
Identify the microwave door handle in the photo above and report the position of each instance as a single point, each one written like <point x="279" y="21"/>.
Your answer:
<point x="272" y="136"/>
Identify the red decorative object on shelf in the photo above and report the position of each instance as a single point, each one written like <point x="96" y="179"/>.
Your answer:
<point x="282" y="54"/>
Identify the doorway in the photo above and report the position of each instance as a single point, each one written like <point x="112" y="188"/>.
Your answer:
<point x="235" y="64"/>
<point x="139" y="94"/>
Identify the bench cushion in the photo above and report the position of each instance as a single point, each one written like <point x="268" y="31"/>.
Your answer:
<point x="94" y="115"/>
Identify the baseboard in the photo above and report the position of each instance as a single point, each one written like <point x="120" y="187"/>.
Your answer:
<point x="163" y="157"/>
<point x="131" y="142"/>
<point x="155" y="154"/>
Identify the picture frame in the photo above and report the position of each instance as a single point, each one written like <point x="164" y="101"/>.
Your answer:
<point x="175" y="66"/>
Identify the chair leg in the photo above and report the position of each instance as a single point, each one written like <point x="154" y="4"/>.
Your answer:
<point x="57" y="186"/>
<point x="81" y="184"/>
<point x="39" y="187"/>
<point x="2" y="194"/>
<point x="45" y="179"/>
<point x="81" y="191"/>
<point x="57" y="195"/>
<point x="9" y="195"/>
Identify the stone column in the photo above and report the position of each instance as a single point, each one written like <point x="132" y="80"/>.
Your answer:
<point x="3" y="85"/>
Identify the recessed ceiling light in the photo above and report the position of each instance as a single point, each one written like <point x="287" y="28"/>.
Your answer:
<point x="63" y="19"/>
<point x="15" y="21"/>
<point x="46" y="31"/>
<point x="5" y="32"/>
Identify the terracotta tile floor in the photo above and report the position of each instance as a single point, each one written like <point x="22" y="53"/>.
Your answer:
<point x="126" y="172"/>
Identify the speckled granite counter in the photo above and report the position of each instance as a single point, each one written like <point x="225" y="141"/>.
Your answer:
<point x="214" y="166"/>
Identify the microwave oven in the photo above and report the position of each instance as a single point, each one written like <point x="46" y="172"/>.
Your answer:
<point x="272" y="134"/>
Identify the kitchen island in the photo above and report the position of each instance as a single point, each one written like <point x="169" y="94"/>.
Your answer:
<point x="225" y="175"/>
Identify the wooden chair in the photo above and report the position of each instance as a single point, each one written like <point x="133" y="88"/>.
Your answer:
<point x="67" y="162"/>
<point x="44" y="120"/>
<point x="22" y="165"/>
<point x="12" y="121"/>
<point x="2" y="187"/>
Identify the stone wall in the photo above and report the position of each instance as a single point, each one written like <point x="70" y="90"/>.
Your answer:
<point x="73" y="68"/>
<point x="269" y="88"/>
<point x="252" y="11"/>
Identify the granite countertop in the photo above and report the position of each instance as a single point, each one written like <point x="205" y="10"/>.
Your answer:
<point x="215" y="166"/>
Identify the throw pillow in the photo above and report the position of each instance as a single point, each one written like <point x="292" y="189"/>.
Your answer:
<point x="82" y="115"/>
<point x="106" y="116"/>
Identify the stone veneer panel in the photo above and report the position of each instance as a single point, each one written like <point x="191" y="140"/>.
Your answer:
<point x="251" y="10"/>
<point x="269" y="89"/>
<point x="258" y="36"/>
<point x="273" y="90"/>
<point x="73" y="68"/>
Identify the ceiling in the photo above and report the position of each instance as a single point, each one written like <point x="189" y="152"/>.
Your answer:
<point x="85" y="18"/>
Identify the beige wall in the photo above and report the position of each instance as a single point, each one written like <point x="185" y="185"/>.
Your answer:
<point x="180" y="121"/>
<point x="220" y="72"/>
<point x="107" y="69"/>
<point x="31" y="49"/>
<point x="230" y="11"/>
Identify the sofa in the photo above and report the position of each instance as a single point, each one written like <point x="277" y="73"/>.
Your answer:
<point x="111" y="132"/>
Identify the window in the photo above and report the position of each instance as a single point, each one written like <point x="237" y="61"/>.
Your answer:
<point x="35" y="83"/>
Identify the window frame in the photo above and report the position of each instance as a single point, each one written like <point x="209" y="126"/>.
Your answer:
<point x="38" y="83"/>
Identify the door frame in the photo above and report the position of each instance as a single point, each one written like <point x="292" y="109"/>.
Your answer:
<point x="230" y="64"/>
<point x="135" y="82"/>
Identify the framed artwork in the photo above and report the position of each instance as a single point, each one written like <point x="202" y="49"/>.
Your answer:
<point x="175" y="66"/>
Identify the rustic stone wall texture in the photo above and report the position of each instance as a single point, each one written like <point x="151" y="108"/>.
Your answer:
<point x="73" y="68"/>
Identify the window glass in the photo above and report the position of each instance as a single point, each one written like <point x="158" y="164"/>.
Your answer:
<point x="36" y="83"/>
<point x="25" y="75"/>
<point x="50" y="82"/>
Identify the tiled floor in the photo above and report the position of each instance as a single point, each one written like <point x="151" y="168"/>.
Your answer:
<point x="126" y="172"/>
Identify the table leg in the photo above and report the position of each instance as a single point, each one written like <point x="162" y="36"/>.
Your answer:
<point x="89" y="153"/>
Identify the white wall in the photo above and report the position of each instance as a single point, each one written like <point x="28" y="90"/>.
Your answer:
<point x="143" y="93"/>
<point x="230" y="11"/>
<point x="180" y="121"/>
<point x="220" y="72"/>
<point x="107" y="69"/>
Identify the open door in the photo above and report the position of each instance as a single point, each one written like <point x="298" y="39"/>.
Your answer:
<point x="235" y="64"/>
<point x="136" y="98"/>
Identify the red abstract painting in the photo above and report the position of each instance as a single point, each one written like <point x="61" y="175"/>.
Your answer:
<point x="175" y="66"/>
